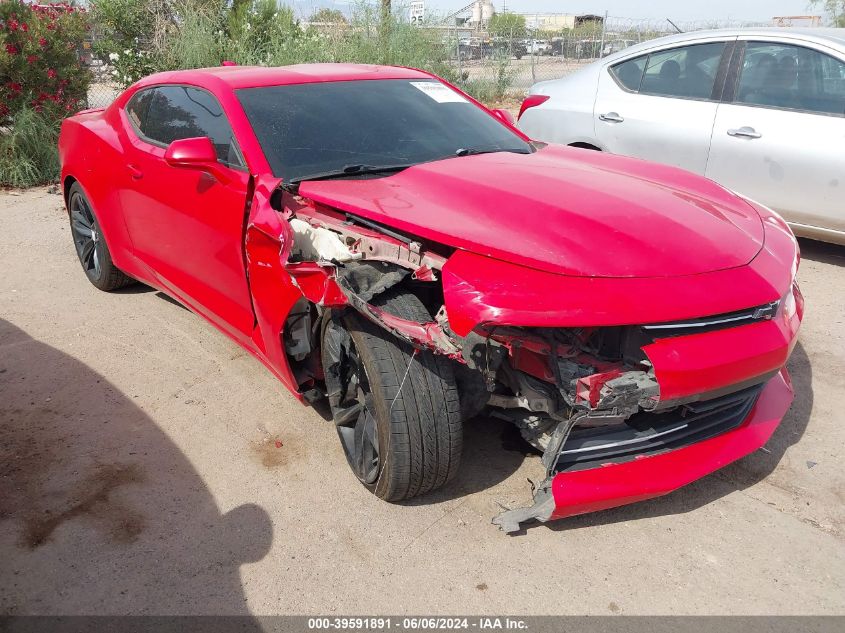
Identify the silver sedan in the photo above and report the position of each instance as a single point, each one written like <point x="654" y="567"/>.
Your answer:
<point x="760" y="111"/>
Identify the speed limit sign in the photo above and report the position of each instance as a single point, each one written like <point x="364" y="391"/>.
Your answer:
<point x="417" y="13"/>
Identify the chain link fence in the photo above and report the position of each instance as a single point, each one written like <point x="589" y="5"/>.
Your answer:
<point x="103" y="89"/>
<point x="500" y="68"/>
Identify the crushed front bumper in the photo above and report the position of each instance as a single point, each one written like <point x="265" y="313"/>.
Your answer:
<point x="572" y="493"/>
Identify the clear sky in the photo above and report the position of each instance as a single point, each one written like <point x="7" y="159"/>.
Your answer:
<point x="678" y="10"/>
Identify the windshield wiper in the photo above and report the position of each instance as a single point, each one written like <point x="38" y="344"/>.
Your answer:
<point x="475" y="151"/>
<point x="349" y="170"/>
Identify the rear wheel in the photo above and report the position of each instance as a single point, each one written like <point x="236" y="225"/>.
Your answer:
<point x="91" y="247"/>
<point x="396" y="409"/>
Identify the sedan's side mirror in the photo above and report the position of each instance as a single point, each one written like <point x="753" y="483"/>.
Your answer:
<point x="504" y="115"/>
<point x="195" y="153"/>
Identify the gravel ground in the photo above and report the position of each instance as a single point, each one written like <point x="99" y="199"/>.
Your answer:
<point x="149" y="465"/>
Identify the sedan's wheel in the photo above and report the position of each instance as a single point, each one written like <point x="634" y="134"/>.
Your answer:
<point x="90" y="244"/>
<point x="396" y="409"/>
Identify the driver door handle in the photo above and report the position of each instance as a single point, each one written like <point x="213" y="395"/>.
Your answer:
<point x="136" y="173"/>
<point x="745" y="132"/>
<point x="611" y="117"/>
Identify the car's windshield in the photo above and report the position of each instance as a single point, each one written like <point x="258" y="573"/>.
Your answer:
<point x="316" y="129"/>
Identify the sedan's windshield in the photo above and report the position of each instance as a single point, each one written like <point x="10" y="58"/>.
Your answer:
<point x="353" y="128"/>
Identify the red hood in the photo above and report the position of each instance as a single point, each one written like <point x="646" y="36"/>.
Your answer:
<point x="561" y="210"/>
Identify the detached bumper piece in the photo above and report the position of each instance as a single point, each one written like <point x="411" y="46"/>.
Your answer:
<point x="677" y="448"/>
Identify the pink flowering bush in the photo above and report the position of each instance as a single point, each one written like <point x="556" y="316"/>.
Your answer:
<point x="42" y="80"/>
<point x="39" y="62"/>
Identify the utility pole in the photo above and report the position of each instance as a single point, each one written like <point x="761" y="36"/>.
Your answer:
<point x="384" y="30"/>
<point x="532" y="43"/>
<point x="458" y="51"/>
<point x="603" y="31"/>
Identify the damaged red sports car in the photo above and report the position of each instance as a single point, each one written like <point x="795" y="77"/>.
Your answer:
<point x="378" y="238"/>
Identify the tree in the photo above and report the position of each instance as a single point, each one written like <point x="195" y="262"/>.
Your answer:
<point x="507" y="25"/>
<point x="834" y="8"/>
<point x="328" y="16"/>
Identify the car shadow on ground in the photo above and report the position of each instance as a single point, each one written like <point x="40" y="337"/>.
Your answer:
<point x="493" y="450"/>
<point x="822" y="252"/>
<point x="139" y="288"/>
<point x="101" y="512"/>
<point x="135" y="288"/>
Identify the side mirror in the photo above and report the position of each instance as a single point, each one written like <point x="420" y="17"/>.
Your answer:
<point x="504" y="115"/>
<point x="195" y="153"/>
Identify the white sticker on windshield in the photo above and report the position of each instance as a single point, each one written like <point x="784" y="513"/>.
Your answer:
<point x="438" y="92"/>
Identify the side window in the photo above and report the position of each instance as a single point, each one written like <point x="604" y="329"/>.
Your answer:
<point x="688" y="71"/>
<point x="137" y="108"/>
<point x="177" y="112"/>
<point x="793" y="78"/>
<point x="630" y="73"/>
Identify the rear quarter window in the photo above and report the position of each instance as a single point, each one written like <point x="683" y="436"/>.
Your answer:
<point x="138" y="107"/>
<point x="630" y="73"/>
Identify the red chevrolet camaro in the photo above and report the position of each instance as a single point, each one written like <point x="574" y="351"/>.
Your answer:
<point x="378" y="238"/>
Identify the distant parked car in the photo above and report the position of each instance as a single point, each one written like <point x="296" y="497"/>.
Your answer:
<point x="475" y="48"/>
<point x="509" y="48"/>
<point x="539" y="47"/>
<point x="761" y="111"/>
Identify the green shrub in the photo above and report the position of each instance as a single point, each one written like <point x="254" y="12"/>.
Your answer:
<point x="201" y="33"/>
<point x="28" y="153"/>
<point x="490" y="90"/>
<point x="200" y="42"/>
<point x="261" y="32"/>
<point x="139" y="37"/>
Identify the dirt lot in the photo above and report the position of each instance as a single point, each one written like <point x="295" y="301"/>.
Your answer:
<point x="149" y="465"/>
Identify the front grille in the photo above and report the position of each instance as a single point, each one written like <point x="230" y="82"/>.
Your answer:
<point x="718" y="322"/>
<point x="646" y="433"/>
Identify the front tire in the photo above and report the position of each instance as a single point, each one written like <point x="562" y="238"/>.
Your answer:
<point x="91" y="247"/>
<point x="397" y="410"/>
